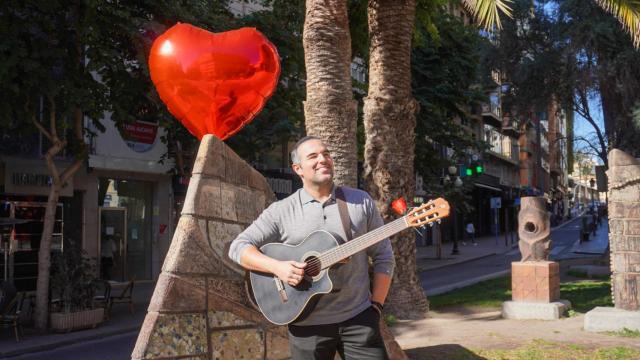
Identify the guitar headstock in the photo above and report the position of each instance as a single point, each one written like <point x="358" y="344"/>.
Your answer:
<point x="433" y="211"/>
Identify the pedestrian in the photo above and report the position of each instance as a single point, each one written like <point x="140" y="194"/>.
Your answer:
<point x="471" y="233"/>
<point x="344" y="321"/>
<point x="108" y="250"/>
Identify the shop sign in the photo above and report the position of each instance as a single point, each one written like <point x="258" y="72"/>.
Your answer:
<point x="139" y="136"/>
<point x="29" y="178"/>
<point x="281" y="183"/>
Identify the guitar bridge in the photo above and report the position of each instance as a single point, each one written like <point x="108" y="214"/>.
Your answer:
<point x="280" y="286"/>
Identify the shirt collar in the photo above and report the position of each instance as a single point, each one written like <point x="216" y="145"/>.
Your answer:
<point x="306" y="198"/>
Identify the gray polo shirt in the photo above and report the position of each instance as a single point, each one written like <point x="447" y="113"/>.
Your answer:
<point x="290" y="221"/>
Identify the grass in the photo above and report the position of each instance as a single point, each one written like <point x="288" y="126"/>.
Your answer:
<point x="489" y="294"/>
<point x="625" y="333"/>
<point x="583" y="295"/>
<point x="540" y="349"/>
<point x="583" y="274"/>
<point x="534" y="350"/>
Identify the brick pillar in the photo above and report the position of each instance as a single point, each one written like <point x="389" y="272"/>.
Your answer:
<point x="624" y="229"/>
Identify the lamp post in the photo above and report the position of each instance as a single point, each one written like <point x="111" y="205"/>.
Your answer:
<point x="592" y="182"/>
<point x="457" y="183"/>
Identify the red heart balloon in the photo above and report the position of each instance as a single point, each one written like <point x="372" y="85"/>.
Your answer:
<point x="214" y="83"/>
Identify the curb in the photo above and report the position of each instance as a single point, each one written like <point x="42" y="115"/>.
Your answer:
<point x="67" y="342"/>
<point x="459" y="262"/>
<point x="450" y="287"/>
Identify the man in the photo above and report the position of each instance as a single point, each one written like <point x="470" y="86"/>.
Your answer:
<point x="345" y="320"/>
<point x="471" y="233"/>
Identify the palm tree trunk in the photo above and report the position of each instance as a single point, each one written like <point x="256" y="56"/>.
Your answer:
<point x="389" y="120"/>
<point x="330" y="110"/>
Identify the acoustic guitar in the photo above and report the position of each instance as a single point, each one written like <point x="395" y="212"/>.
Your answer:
<point x="282" y="304"/>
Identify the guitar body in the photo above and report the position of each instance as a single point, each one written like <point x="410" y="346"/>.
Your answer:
<point x="265" y="289"/>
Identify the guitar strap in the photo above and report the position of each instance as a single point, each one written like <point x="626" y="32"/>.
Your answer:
<point x="344" y="212"/>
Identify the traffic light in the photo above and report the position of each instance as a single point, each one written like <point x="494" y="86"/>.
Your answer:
<point x="472" y="170"/>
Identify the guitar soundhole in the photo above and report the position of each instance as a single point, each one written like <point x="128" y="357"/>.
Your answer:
<point x="313" y="266"/>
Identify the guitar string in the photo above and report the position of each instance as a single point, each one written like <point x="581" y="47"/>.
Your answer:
<point x="331" y="254"/>
<point x="336" y="254"/>
<point x="342" y="251"/>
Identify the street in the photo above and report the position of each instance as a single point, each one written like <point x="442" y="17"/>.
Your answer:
<point x="562" y="240"/>
<point x="111" y="348"/>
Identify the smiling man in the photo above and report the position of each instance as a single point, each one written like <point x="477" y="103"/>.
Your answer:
<point x="347" y="319"/>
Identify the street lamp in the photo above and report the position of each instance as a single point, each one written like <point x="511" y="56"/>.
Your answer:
<point x="457" y="183"/>
<point x="592" y="182"/>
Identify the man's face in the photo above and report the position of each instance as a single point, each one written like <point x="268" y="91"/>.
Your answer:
<point x="316" y="164"/>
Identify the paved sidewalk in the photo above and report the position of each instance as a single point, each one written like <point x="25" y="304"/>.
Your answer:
<point x="487" y="245"/>
<point x="597" y="244"/>
<point x="121" y="322"/>
<point x="427" y="257"/>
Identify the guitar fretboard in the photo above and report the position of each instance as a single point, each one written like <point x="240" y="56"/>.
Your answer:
<point x="349" y="248"/>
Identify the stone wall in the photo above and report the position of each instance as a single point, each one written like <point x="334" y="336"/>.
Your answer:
<point x="200" y="309"/>
<point x="624" y="229"/>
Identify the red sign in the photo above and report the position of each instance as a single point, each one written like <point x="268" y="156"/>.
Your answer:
<point x="163" y="228"/>
<point x="139" y="136"/>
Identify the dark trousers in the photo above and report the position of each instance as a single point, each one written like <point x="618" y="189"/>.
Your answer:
<point x="356" y="338"/>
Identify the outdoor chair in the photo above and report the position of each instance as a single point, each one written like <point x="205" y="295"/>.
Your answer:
<point x="10" y="315"/>
<point x="102" y="296"/>
<point x="125" y="297"/>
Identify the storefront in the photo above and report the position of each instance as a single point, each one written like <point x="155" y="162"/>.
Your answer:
<point x="24" y="188"/>
<point x="129" y="201"/>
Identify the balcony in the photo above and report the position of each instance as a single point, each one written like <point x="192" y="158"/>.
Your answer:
<point x="510" y="126"/>
<point x="491" y="113"/>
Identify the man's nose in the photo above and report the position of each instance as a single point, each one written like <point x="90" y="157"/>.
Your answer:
<point x="324" y="158"/>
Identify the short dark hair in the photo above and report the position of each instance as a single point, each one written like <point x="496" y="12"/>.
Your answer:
<point x="294" y="152"/>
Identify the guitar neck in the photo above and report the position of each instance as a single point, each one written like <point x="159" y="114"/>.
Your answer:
<point x="331" y="257"/>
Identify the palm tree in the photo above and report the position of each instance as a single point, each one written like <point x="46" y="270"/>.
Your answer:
<point x="330" y="111"/>
<point x="389" y="122"/>
<point x="626" y="11"/>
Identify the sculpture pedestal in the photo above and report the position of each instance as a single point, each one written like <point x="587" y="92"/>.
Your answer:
<point x="611" y="319"/>
<point x="535" y="290"/>
<point x="521" y="310"/>
<point x="535" y="281"/>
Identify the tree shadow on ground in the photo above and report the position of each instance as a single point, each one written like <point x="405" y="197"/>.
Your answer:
<point x="442" y="352"/>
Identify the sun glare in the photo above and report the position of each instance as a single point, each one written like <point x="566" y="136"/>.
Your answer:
<point x="166" y="48"/>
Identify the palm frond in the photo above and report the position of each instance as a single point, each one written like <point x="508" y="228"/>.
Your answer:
<point x="628" y="13"/>
<point x="487" y="12"/>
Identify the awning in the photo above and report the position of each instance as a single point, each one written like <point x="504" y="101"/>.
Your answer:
<point x="487" y="187"/>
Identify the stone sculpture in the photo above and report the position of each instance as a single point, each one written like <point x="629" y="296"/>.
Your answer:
<point x="624" y="229"/>
<point x="535" y="281"/>
<point x="533" y="229"/>
<point x="199" y="309"/>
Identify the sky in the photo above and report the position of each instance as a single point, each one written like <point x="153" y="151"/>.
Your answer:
<point x="582" y="128"/>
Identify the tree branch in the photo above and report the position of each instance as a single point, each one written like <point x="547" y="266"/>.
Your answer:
<point x="583" y="110"/>
<point x="52" y="119"/>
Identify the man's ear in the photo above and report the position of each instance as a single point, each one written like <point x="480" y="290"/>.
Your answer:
<point x="297" y="169"/>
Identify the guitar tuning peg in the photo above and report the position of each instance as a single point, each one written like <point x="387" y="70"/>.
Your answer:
<point x="439" y="221"/>
<point x="431" y="224"/>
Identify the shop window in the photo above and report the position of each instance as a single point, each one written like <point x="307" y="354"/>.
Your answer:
<point x="20" y="237"/>
<point x="126" y="219"/>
